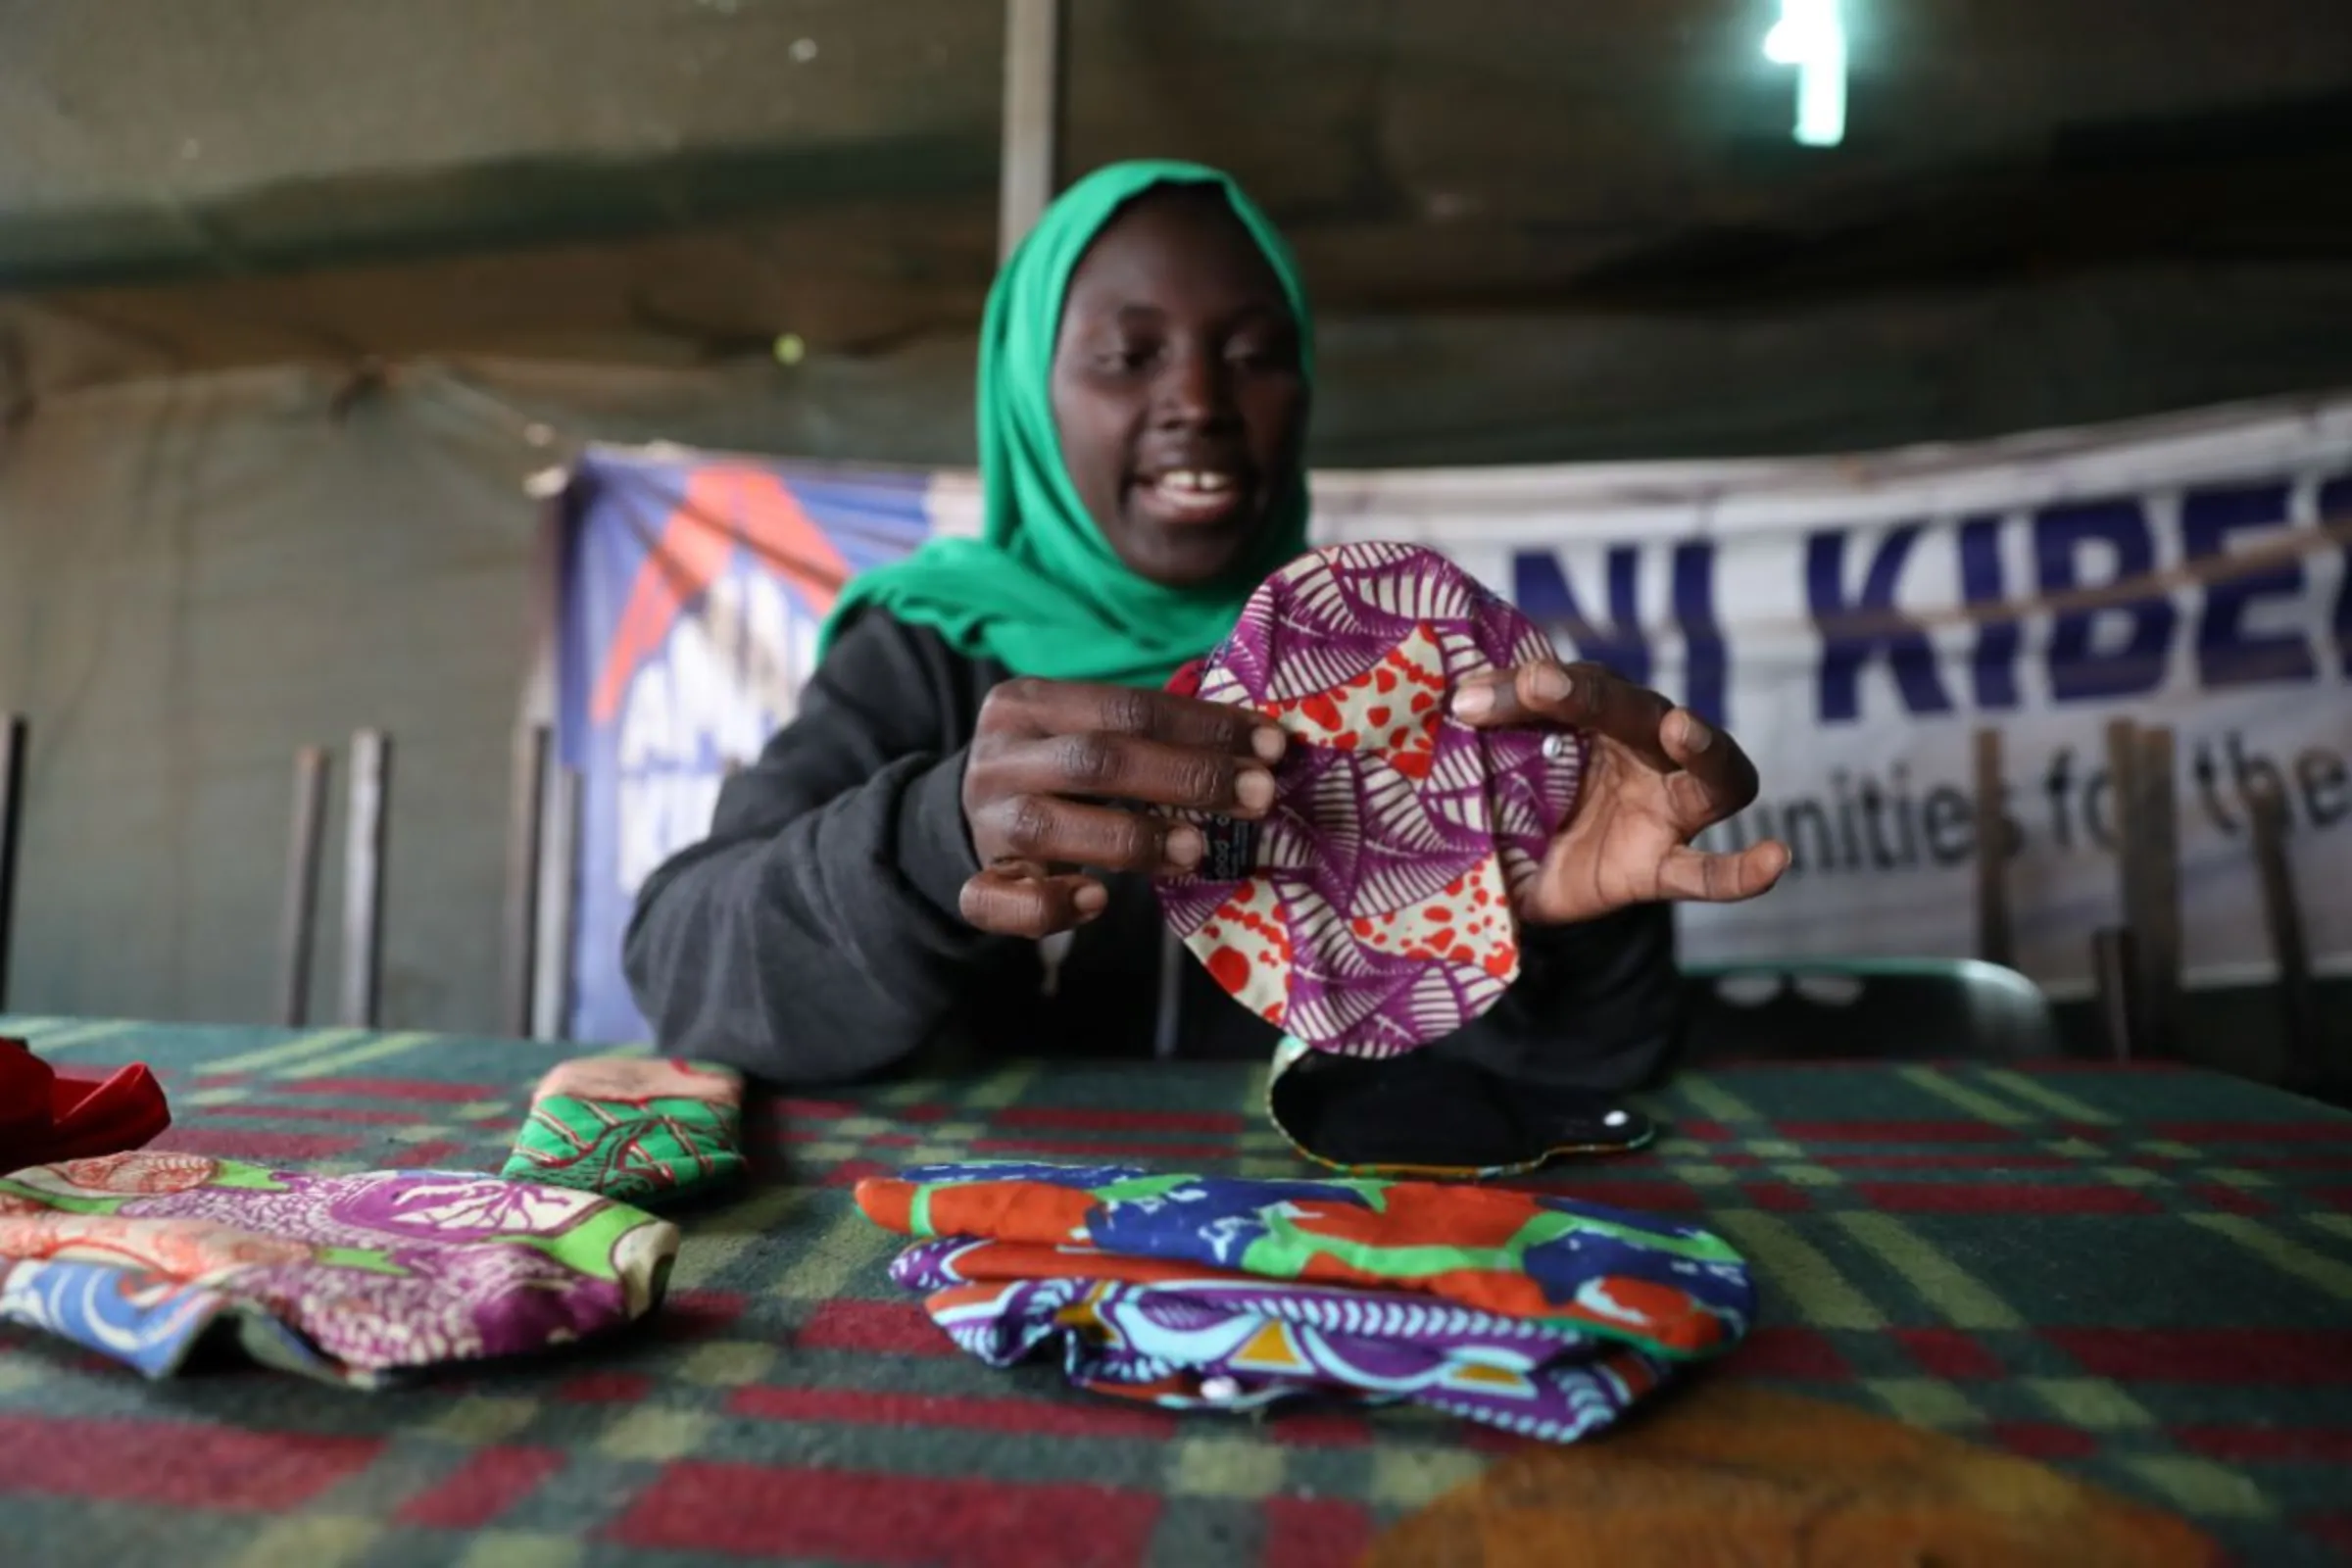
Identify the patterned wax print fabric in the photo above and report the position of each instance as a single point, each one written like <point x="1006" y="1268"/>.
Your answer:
<point x="645" y="1132"/>
<point x="48" y="1115"/>
<point x="1532" y="1312"/>
<point x="357" y="1280"/>
<point x="1372" y="911"/>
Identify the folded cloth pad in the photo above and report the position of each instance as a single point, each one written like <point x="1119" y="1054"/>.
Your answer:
<point x="642" y="1131"/>
<point x="1532" y="1312"/>
<point x="48" y="1115"/>
<point x="352" y="1279"/>
<point x="1372" y="911"/>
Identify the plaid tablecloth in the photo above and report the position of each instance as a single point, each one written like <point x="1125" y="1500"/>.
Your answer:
<point x="2141" y="1276"/>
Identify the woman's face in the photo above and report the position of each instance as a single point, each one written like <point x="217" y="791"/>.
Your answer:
<point x="1176" y="387"/>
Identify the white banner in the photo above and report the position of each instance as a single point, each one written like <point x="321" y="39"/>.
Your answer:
<point x="1854" y="621"/>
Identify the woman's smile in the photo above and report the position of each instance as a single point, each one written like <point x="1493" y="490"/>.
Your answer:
<point x="1193" y="497"/>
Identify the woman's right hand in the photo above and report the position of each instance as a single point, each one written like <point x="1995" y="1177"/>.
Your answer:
<point x="1062" y="775"/>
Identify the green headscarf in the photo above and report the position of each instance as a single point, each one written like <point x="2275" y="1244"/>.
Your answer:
<point x="1040" y="589"/>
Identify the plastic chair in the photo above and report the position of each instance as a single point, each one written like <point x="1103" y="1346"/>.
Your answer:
<point x="1816" y="1009"/>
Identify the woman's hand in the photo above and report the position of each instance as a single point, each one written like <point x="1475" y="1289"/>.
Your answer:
<point x="1659" y="776"/>
<point x="1061" y="776"/>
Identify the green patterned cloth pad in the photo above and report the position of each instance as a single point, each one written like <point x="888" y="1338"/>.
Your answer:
<point x="641" y="1131"/>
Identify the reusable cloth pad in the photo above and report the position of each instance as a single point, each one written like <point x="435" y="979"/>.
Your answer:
<point x="351" y="1279"/>
<point x="1429" y="1114"/>
<point x="1371" y="911"/>
<point x="642" y="1131"/>
<point x="1532" y="1312"/>
<point x="48" y="1115"/>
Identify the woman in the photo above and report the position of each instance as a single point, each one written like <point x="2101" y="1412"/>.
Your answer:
<point x="880" y="880"/>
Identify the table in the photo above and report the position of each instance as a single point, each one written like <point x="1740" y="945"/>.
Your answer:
<point x="2143" y="1276"/>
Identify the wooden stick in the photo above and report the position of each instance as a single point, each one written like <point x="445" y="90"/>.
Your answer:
<point x="2112" y="967"/>
<point x="2130" y="862"/>
<point x="573" y="795"/>
<point x="2155" y="915"/>
<point x="298" y="913"/>
<point x="1993" y="941"/>
<point x="2122" y="757"/>
<point x="364" y="878"/>
<point x="2283" y="916"/>
<point x="14" y="742"/>
<point x="559" y="902"/>
<point x="526" y="829"/>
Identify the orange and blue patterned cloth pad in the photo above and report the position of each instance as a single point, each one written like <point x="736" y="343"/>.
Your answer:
<point x="1532" y="1312"/>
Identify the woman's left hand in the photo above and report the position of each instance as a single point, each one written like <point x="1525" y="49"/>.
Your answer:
<point x="1658" y="776"/>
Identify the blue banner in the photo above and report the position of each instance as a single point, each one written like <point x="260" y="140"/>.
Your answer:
<point x="693" y="588"/>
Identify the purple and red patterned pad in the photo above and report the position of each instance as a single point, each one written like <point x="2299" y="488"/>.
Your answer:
<point x="1372" y="911"/>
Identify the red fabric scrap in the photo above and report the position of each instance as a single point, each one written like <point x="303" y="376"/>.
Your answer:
<point x="47" y="1115"/>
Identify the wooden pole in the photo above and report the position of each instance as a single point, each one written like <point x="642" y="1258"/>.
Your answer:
<point x="559" y="901"/>
<point x="2112" y="965"/>
<point x="298" y="927"/>
<point x="15" y="739"/>
<point x="364" y="878"/>
<point x="2153" y="891"/>
<point x="2123" y="760"/>
<point x="526" y="828"/>
<point x="2283" y="916"/>
<point x="2125" y="817"/>
<point x="1993" y="941"/>
<point x="1033" y="115"/>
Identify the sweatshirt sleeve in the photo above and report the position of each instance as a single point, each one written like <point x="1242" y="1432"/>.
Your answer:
<point x="1598" y="1004"/>
<point x="813" y="935"/>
